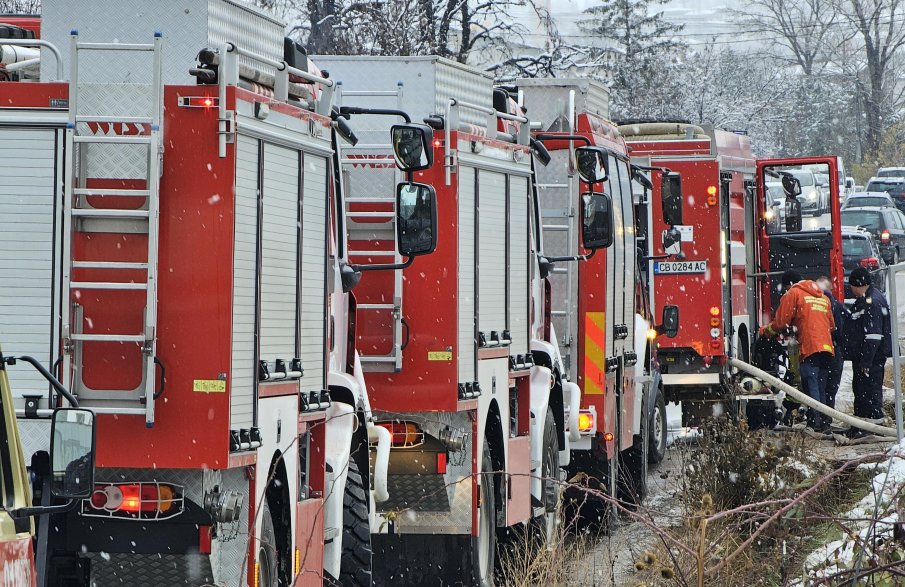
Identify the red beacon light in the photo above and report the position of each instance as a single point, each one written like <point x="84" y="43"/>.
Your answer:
<point x="199" y="101"/>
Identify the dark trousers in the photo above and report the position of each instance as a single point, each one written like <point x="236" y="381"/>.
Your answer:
<point x="815" y="370"/>
<point x="834" y="377"/>
<point x="868" y="390"/>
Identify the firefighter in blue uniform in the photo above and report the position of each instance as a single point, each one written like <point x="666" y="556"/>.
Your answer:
<point x="870" y="344"/>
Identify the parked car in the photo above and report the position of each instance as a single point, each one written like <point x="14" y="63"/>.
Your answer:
<point x="812" y="197"/>
<point x="886" y="225"/>
<point x="869" y="200"/>
<point x="775" y="215"/>
<point x="894" y="186"/>
<point x="859" y="249"/>
<point x="891" y="172"/>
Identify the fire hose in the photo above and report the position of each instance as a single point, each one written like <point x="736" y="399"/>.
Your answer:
<point x="811" y="402"/>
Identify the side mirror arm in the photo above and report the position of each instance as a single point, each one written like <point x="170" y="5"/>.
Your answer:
<point x="40" y="510"/>
<point x="383" y="266"/>
<point x="570" y="257"/>
<point x="346" y="111"/>
<point x="46" y="374"/>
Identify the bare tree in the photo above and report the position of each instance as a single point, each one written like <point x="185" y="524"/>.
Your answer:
<point x="802" y="27"/>
<point x="879" y="24"/>
<point x="20" y="6"/>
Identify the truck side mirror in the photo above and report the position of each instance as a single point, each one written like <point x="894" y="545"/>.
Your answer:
<point x="416" y="219"/>
<point x="72" y="452"/>
<point x="597" y="221"/>
<point x="670" y="322"/>
<point x="671" y="197"/>
<point x="412" y="146"/>
<point x="793" y="215"/>
<point x="592" y="164"/>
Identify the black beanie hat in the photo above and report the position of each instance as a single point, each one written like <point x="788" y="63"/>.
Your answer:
<point x="790" y="278"/>
<point x="859" y="277"/>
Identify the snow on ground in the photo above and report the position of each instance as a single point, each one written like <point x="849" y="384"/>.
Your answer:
<point x="872" y="518"/>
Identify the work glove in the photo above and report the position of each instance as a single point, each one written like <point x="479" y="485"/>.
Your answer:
<point x="764" y="332"/>
<point x="865" y="369"/>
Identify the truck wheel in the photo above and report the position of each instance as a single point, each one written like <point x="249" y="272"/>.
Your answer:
<point x="761" y="414"/>
<point x="355" y="564"/>
<point x="550" y="487"/>
<point x="483" y="546"/>
<point x="657" y="429"/>
<point x="268" y="566"/>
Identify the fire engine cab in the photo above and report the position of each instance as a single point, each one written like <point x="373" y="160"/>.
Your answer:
<point x="458" y="368"/>
<point x="598" y="301"/>
<point x="178" y="263"/>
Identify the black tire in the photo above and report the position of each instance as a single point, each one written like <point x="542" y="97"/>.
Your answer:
<point x="657" y="428"/>
<point x="268" y="557"/>
<point x="633" y="469"/>
<point x="355" y="564"/>
<point x="550" y="487"/>
<point x="761" y="414"/>
<point x="482" y="554"/>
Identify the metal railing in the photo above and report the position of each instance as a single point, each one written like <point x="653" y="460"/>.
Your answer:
<point x="898" y="340"/>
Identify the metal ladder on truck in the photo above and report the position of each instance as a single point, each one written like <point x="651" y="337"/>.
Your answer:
<point x="103" y="141"/>
<point x="369" y="224"/>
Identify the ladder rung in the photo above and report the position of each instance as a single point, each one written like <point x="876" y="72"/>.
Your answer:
<point x="120" y="411"/>
<point x="371" y="253"/>
<point x="378" y="359"/>
<point x="116" y="119"/>
<point x="371" y="214"/>
<point x="108" y="265"/>
<point x="107" y="285"/>
<point x="387" y="200"/>
<point x="108" y="213"/>
<point x="108" y="337"/>
<point x="114" y="139"/>
<point x="109" y="192"/>
<point x="115" y="46"/>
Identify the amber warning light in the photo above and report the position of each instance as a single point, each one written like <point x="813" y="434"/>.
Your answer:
<point x="199" y="101"/>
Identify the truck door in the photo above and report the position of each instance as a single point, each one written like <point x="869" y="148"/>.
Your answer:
<point x="812" y="250"/>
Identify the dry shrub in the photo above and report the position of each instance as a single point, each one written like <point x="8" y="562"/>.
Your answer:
<point x="734" y="467"/>
<point x="525" y="561"/>
<point x="734" y="481"/>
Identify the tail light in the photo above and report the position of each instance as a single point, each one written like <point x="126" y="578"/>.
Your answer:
<point x="135" y="500"/>
<point x="609" y="436"/>
<point x="870" y="263"/>
<point x="585" y="421"/>
<point x="884" y="237"/>
<point x="715" y="311"/>
<point x="715" y="322"/>
<point x="403" y="434"/>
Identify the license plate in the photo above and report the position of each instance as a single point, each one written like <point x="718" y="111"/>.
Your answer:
<point x="663" y="267"/>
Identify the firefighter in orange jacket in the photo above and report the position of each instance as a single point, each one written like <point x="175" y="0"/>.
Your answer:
<point x="808" y="311"/>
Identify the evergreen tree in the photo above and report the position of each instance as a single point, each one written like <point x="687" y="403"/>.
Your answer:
<point x="641" y="44"/>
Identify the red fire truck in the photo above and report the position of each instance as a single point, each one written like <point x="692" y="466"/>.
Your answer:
<point x="182" y="266"/>
<point x="709" y="284"/>
<point x="725" y="290"/>
<point x="459" y="366"/>
<point x="600" y="313"/>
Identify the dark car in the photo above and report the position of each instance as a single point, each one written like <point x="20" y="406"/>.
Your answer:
<point x="874" y="200"/>
<point x="886" y="225"/>
<point x="859" y="249"/>
<point x="894" y="186"/>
